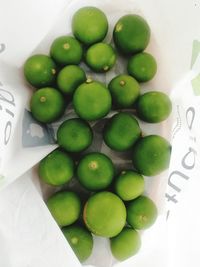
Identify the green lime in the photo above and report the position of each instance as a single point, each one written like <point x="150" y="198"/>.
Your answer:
<point x="131" y="34"/>
<point x="80" y="240"/>
<point x="100" y="57"/>
<point x="124" y="90"/>
<point x="74" y="135"/>
<point x="126" y="244"/>
<point x="105" y="214"/>
<point x="129" y="185"/>
<point x="66" y="50"/>
<point x="40" y="71"/>
<point x="89" y="25"/>
<point x="69" y="78"/>
<point x="141" y="213"/>
<point x="47" y="105"/>
<point x="57" y="168"/>
<point x="154" y="107"/>
<point x="65" y="207"/>
<point x="151" y="155"/>
<point x="142" y="67"/>
<point x="95" y="171"/>
<point x="92" y="100"/>
<point x="121" y="131"/>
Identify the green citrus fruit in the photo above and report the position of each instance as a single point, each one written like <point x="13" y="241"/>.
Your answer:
<point x="57" y="168"/>
<point x="74" y="135"/>
<point x="89" y="25"/>
<point x="65" y="207"/>
<point x="151" y="155"/>
<point x="131" y="34"/>
<point x="95" y="171"/>
<point x="105" y="214"/>
<point x="124" y="90"/>
<point x="141" y="213"/>
<point x="47" y="105"/>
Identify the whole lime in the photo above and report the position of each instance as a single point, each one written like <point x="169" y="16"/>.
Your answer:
<point x="142" y="67"/>
<point x="47" y="105"/>
<point x="80" y="240"/>
<point x="74" y="135"/>
<point x="65" y="207"/>
<point x="105" y="214"/>
<point x="95" y="171"/>
<point x="89" y="25"/>
<point x="141" y="213"/>
<point x="100" y="57"/>
<point x="126" y="244"/>
<point x="124" y="90"/>
<point x="40" y="71"/>
<point x="131" y="34"/>
<point x="121" y="131"/>
<point x="154" y="107"/>
<point x="66" y="50"/>
<point x="129" y="185"/>
<point x="69" y="78"/>
<point x="92" y="100"/>
<point x="151" y="155"/>
<point x="57" y="168"/>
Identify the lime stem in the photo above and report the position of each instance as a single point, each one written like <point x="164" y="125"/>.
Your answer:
<point x="93" y="165"/>
<point x="43" y="99"/>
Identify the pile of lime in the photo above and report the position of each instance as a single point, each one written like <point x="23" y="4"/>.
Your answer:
<point x="116" y="207"/>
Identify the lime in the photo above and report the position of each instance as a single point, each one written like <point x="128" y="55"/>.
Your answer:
<point x="121" y="131"/>
<point x="126" y="244"/>
<point x="92" y="100"/>
<point x="105" y="214"/>
<point x="57" y="168"/>
<point x="80" y="240"/>
<point x="65" y="207"/>
<point x="47" y="105"/>
<point x="141" y="213"/>
<point x="151" y="155"/>
<point x="131" y="34"/>
<point x="129" y="185"/>
<point x="142" y="67"/>
<point x="100" y="57"/>
<point x="40" y="71"/>
<point x="69" y="78"/>
<point x="74" y="135"/>
<point x="89" y="25"/>
<point x="66" y="50"/>
<point x="95" y="171"/>
<point x="124" y="90"/>
<point x="154" y="107"/>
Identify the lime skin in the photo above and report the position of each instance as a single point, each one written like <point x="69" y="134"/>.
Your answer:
<point x="100" y="57"/>
<point x="65" y="207"/>
<point x="131" y="34"/>
<point x="89" y="25"/>
<point x="74" y="135"/>
<point x="151" y="155"/>
<point x="121" y="131"/>
<point x="92" y="100"/>
<point x="105" y="214"/>
<point x="66" y="50"/>
<point x="80" y="240"/>
<point x="69" y="78"/>
<point x="124" y="90"/>
<point x="40" y="71"/>
<point x="47" y="105"/>
<point x="126" y="244"/>
<point x="154" y="107"/>
<point x="142" y="67"/>
<point x="129" y="185"/>
<point x="141" y="213"/>
<point x="95" y="171"/>
<point x="57" y="168"/>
